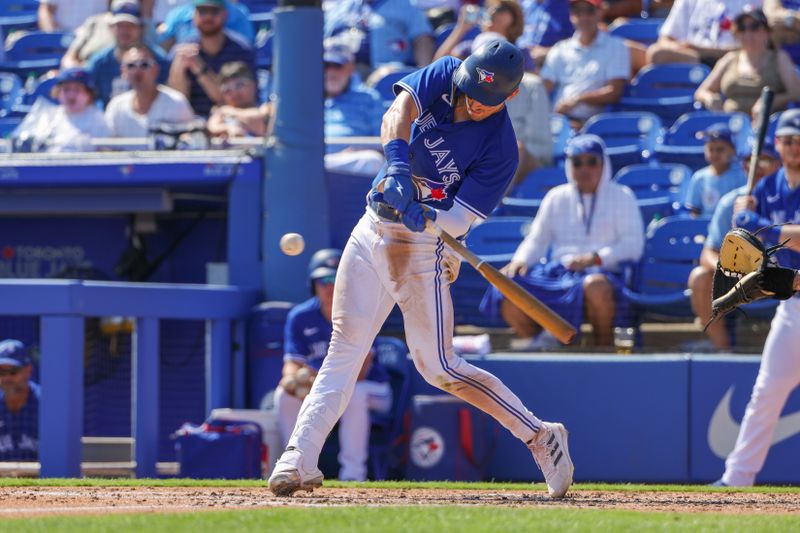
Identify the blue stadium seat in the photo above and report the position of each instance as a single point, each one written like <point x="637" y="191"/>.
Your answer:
<point x="44" y="86"/>
<point x="525" y="198"/>
<point x="36" y="52"/>
<point x="10" y="92"/>
<point x="657" y="187"/>
<point x="681" y="144"/>
<point x="630" y="136"/>
<point x="260" y="6"/>
<point x="643" y="31"/>
<point x="672" y="249"/>
<point x="666" y="90"/>
<point x="384" y="84"/>
<point x="18" y="15"/>
<point x="561" y="130"/>
<point x="7" y="125"/>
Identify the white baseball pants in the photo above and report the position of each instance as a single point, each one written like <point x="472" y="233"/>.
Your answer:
<point x="384" y="263"/>
<point x="778" y="376"/>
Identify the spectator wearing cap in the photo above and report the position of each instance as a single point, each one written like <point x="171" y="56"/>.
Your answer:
<point x="702" y="276"/>
<point x="586" y="228"/>
<point x="784" y="19"/>
<point x="696" y="31"/>
<point x="195" y="66"/>
<point x="240" y="115"/>
<point x="546" y="23"/>
<point x="19" y="404"/>
<point x="179" y="27"/>
<point x="67" y="15"/>
<point x="721" y="175"/>
<point x="589" y="70"/>
<point x="104" y="66"/>
<point x="737" y="79"/>
<point x="147" y="104"/>
<point x="389" y="31"/>
<point x="500" y="18"/>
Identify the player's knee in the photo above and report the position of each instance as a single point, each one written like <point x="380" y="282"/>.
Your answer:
<point x="597" y="289"/>
<point x="700" y="278"/>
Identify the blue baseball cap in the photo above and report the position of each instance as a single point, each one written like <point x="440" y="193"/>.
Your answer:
<point x="125" y="11"/>
<point x="768" y="148"/>
<point x="338" y="54"/>
<point x="76" y="74"/>
<point x="14" y="353"/>
<point x="717" y="132"/>
<point x="789" y="123"/>
<point x="586" y="143"/>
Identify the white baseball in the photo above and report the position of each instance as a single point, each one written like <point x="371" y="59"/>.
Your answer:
<point x="292" y="244"/>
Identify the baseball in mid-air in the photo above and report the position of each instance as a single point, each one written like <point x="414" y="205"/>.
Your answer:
<point x="292" y="244"/>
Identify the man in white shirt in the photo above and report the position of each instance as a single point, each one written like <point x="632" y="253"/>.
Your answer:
<point x="67" y="15"/>
<point x="147" y="104"/>
<point x="586" y="228"/>
<point x="697" y="31"/>
<point x="590" y="69"/>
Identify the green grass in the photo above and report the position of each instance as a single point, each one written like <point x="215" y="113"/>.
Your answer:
<point x="406" y="519"/>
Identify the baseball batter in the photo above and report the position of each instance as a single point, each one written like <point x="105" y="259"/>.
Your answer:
<point x="775" y="200"/>
<point x="451" y="152"/>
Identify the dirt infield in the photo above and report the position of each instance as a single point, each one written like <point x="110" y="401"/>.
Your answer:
<point x="44" y="501"/>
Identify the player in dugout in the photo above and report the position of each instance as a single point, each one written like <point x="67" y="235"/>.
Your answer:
<point x="451" y="153"/>
<point x="19" y="404"/>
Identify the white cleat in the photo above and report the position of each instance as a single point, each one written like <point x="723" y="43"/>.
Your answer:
<point x="551" y="453"/>
<point x="289" y="475"/>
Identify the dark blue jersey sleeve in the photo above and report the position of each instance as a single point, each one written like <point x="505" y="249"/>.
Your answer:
<point x="295" y="347"/>
<point x="427" y="85"/>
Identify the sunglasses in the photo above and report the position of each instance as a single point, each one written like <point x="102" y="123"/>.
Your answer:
<point x="327" y="280"/>
<point x="144" y="64"/>
<point x="11" y="371"/>
<point x="752" y="26"/>
<point x="590" y="161"/>
<point x="208" y="11"/>
<point x="237" y="85"/>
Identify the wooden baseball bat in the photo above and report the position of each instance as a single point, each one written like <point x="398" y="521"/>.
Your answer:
<point x="761" y="132"/>
<point x="525" y="301"/>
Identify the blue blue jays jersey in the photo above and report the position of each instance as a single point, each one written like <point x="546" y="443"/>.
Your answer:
<point x="19" y="431"/>
<point x="470" y="162"/>
<point x="779" y="203"/>
<point x="307" y="335"/>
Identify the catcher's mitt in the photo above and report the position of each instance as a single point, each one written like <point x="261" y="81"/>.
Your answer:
<point x="746" y="272"/>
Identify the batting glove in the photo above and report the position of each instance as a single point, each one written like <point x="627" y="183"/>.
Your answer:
<point x="398" y="191"/>
<point x="416" y="216"/>
<point x="752" y="222"/>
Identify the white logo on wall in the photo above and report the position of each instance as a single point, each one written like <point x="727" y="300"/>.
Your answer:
<point x="427" y="447"/>
<point x="34" y="261"/>
<point x="723" y="429"/>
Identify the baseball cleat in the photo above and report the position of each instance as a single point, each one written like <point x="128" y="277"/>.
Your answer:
<point x="289" y="476"/>
<point x="551" y="453"/>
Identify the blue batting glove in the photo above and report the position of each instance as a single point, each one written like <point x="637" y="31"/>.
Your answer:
<point x="752" y="222"/>
<point x="416" y="215"/>
<point x="398" y="191"/>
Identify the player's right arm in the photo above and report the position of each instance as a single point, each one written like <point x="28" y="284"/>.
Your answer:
<point x="396" y="123"/>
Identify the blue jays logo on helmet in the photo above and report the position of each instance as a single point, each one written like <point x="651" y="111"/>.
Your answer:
<point x="484" y="76"/>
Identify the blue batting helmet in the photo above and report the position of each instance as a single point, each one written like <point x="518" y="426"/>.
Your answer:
<point x="491" y="73"/>
<point x="324" y="263"/>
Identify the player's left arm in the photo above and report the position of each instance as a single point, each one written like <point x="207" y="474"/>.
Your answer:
<point x="396" y="122"/>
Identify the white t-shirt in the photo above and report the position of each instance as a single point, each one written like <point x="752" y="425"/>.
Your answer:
<point x="706" y="23"/>
<point x="72" y="13"/>
<point x="72" y="133"/>
<point x="575" y="69"/>
<point x="169" y="106"/>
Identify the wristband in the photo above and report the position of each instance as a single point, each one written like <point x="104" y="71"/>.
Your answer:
<point x="396" y="152"/>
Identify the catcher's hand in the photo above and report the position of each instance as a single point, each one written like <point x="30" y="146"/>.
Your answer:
<point x="746" y="272"/>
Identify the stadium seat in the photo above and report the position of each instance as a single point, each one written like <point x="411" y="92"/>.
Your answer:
<point x="643" y="31"/>
<point x="7" y="125"/>
<point x="18" y="15"/>
<point x="681" y="143"/>
<point x="44" y="87"/>
<point x="657" y="187"/>
<point x="630" y="136"/>
<point x="561" y="130"/>
<point x="672" y="249"/>
<point x="666" y="90"/>
<point x="384" y="84"/>
<point x="36" y="52"/>
<point x="10" y="93"/>
<point x="443" y="32"/>
<point x="260" y="6"/>
<point x="525" y="198"/>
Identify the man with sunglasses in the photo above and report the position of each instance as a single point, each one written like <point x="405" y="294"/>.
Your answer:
<point x="147" y="104"/>
<point x="450" y="155"/>
<point x="306" y="336"/>
<point x="586" y="229"/>
<point x="19" y="404"/>
<point x="195" y="66"/>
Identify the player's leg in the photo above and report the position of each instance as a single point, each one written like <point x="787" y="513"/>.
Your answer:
<point x="360" y="306"/>
<point x="598" y="300"/>
<point x="778" y="376"/>
<point x="287" y="407"/>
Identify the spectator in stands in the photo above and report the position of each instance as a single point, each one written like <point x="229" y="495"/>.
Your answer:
<point x="586" y="228"/>
<point x="736" y="81"/>
<point x="501" y="18"/>
<point x="306" y="337"/>
<point x="240" y="115"/>
<point x="67" y="15"/>
<point x="722" y="174"/>
<point x="94" y="34"/>
<point x="632" y="9"/>
<point x="696" y="31"/>
<point x="195" y="66"/>
<point x="19" y="404"/>
<point x="180" y="24"/>
<point x="104" y="66"/>
<point x="701" y="278"/>
<point x="389" y="31"/>
<point x="546" y="23"/>
<point x="784" y="18"/>
<point x="529" y="112"/>
<point x="589" y="70"/>
<point x="132" y="113"/>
